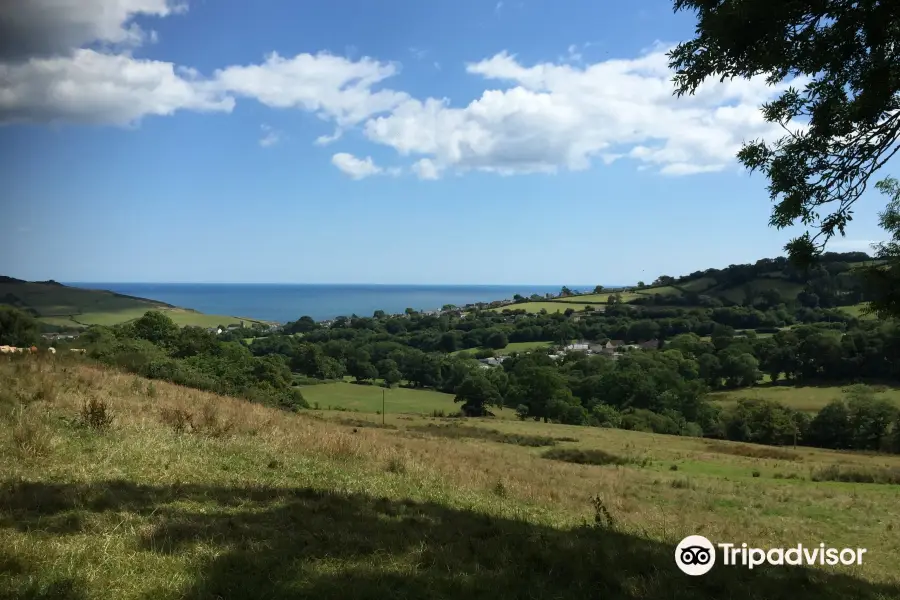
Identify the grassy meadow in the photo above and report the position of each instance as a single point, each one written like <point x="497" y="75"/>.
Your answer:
<point x="115" y="487"/>
<point x="367" y="398"/>
<point x="598" y="298"/>
<point x="74" y="307"/>
<point x="804" y="398"/>
<point x="550" y="307"/>
<point x="511" y="347"/>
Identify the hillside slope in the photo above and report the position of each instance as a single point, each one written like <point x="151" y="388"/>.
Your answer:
<point x="189" y="495"/>
<point x="833" y="282"/>
<point x="69" y="307"/>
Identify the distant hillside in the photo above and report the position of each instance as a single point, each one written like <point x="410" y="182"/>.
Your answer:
<point x="59" y="306"/>
<point x="833" y="282"/>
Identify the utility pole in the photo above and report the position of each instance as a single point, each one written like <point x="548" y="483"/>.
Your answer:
<point x="382" y="406"/>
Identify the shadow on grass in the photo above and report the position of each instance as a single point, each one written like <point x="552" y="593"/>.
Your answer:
<point x="302" y="543"/>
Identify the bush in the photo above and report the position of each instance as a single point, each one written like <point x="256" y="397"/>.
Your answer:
<point x="492" y="435"/>
<point x="651" y="422"/>
<point x="178" y="419"/>
<point x="752" y="451"/>
<point x="95" y="414"/>
<point x="882" y="475"/>
<point x="585" y="456"/>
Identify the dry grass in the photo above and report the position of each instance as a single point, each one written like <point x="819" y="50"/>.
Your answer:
<point x="187" y="494"/>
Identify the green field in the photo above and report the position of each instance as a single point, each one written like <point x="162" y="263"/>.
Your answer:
<point x="550" y="307"/>
<point x="367" y="398"/>
<point x="804" y="398"/>
<point x="511" y="347"/>
<point x="598" y="298"/>
<point x="260" y="503"/>
<point x="66" y="306"/>
<point x="180" y="316"/>
<point x="857" y="311"/>
<point x="698" y="285"/>
<point x="663" y="289"/>
<point x="53" y="300"/>
<point x="787" y="289"/>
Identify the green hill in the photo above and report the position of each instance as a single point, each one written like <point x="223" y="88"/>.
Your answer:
<point x="61" y="306"/>
<point x="832" y="282"/>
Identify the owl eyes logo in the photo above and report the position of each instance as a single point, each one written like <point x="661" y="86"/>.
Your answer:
<point x="695" y="555"/>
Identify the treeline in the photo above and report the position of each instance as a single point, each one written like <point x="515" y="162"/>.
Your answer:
<point x="831" y="281"/>
<point x="155" y="347"/>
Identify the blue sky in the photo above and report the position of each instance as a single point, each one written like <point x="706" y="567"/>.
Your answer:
<point x="391" y="142"/>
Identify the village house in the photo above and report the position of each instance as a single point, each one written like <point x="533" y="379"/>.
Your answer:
<point x="581" y="346"/>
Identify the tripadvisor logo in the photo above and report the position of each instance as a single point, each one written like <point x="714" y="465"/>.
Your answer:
<point x="696" y="555"/>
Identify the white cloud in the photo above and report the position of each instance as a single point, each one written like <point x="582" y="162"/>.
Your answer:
<point x="270" y="136"/>
<point x="549" y="117"/>
<point x="47" y="27"/>
<point x="333" y="87"/>
<point x="91" y="87"/>
<point x="426" y="169"/>
<point x="543" y="117"/>
<point x="354" y="167"/>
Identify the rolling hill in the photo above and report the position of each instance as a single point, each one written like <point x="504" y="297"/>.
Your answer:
<point x="832" y="282"/>
<point x="59" y="306"/>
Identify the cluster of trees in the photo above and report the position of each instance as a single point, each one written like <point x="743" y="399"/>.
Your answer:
<point x="155" y="347"/>
<point x="859" y="421"/>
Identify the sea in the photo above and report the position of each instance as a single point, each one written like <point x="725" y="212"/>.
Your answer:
<point x="288" y="302"/>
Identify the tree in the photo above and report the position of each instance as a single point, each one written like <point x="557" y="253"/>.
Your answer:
<point x="882" y="281"/>
<point x="304" y="324"/>
<point x="156" y="327"/>
<point x="476" y="393"/>
<point x="497" y="340"/>
<point x="392" y="377"/>
<point x="849" y="55"/>
<point x="565" y="291"/>
<point x="192" y="341"/>
<point x="641" y="284"/>
<point x="17" y="328"/>
<point x="598" y="289"/>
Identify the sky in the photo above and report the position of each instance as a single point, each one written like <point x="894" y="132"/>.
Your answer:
<point x="349" y="141"/>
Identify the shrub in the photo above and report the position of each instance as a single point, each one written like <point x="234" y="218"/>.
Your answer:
<point x="882" y="475"/>
<point x="682" y="484"/>
<point x="752" y="451"/>
<point x="178" y="419"/>
<point x="585" y="456"/>
<point x="96" y="415"/>
<point x="492" y="435"/>
<point x="395" y="464"/>
<point x="208" y="422"/>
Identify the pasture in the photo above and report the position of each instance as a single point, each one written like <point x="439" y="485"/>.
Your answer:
<point x="250" y="502"/>
<point x="698" y="285"/>
<point x="550" y="307"/>
<point x="787" y="289"/>
<point x="856" y="310"/>
<point x="809" y="399"/>
<point x="663" y="289"/>
<point x="66" y="306"/>
<point x="180" y="316"/>
<point x="367" y="398"/>
<point x="511" y="347"/>
<point x="598" y="298"/>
